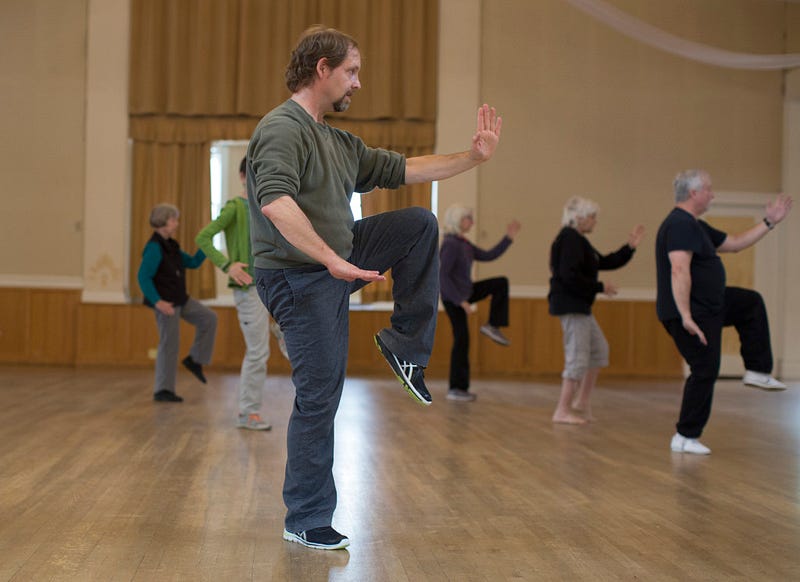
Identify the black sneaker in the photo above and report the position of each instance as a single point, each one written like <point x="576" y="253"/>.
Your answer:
<point x="194" y="368"/>
<point x="319" y="538"/>
<point x="410" y="375"/>
<point x="166" y="396"/>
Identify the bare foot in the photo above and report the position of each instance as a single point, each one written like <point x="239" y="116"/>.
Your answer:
<point x="585" y="414"/>
<point x="568" y="418"/>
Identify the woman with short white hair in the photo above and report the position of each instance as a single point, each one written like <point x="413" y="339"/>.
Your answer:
<point x="459" y="292"/>
<point x="574" y="265"/>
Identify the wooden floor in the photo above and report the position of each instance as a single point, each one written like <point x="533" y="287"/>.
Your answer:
<point x="99" y="483"/>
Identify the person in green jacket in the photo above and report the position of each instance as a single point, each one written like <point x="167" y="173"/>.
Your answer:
<point x="234" y="220"/>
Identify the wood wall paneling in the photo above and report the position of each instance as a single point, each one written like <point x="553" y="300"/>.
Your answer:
<point x="53" y="319"/>
<point x="14" y="325"/>
<point x="53" y="327"/>
<point x="104" y="334"/>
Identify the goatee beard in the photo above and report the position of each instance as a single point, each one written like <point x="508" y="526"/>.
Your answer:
<point x="341" y="105"/>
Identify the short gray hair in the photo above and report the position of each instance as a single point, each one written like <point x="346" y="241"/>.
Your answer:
<point x="577" y="207"/>
<point x="160" y="214"/>
<point x="686" y="181"/>
<point x="451" y="224"/>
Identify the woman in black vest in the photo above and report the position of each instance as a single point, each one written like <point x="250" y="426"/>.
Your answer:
<point x="161" y="278"/>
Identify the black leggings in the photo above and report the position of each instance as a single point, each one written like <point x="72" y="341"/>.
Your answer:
<point x="498" y="317"/>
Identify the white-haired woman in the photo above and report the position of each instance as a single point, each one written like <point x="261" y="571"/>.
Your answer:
<point x="459" y="292"/>
<point x="574" y="266"/>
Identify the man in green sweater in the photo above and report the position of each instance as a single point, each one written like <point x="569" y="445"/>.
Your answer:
<point x="310" y="255"/>
<point x="234" y="220"/>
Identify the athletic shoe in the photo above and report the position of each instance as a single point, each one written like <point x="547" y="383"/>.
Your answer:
<point x="252" y="422"/>
<point x="495" y="335"/>
<point x="166" y="396"/>
<point x="194" y="368"/>
<point x="460" y="395"/>
<point x="410" y="375"/>
<point x="681" y="444"/>
<point x="319" y="538"/>
<point x="763" y="381"/>
<point x="278" y="333"/>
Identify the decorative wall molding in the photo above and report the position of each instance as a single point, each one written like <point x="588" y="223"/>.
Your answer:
<point x="625" y="294"/>
<point x="41" y="281"/>
<point x="105" y="297"/>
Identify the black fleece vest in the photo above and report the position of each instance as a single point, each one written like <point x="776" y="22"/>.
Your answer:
<point x="170" y="280"/>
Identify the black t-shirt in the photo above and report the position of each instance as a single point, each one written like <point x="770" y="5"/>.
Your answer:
<point x="681" y="231"/>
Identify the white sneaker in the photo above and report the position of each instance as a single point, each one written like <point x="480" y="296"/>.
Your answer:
<point x="763" y="381"/>
<point x="680" y="444"/>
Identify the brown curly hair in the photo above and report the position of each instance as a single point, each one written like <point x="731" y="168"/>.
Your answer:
<point x="317" y="42"/>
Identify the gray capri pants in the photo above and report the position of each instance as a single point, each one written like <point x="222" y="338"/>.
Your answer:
<point x="585" y="346"/>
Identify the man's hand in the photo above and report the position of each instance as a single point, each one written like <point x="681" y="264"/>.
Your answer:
<point x="238" y="272"/>
<point x="693" y="329"/>
<point x="778" y="209"/>
<point x="165" y="307"/>
<point x="609" y="289"/>
<point x="341" y="269"/>
<point x="487" y="135"/>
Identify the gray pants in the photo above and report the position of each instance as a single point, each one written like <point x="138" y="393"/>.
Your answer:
<point x="585" y="346"/>
<point x="199" y="316"/>
<point x="254" y="323"/>
<point x="312" y="309"/>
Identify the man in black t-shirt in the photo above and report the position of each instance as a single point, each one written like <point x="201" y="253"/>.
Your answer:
<point x="694" y="304"/>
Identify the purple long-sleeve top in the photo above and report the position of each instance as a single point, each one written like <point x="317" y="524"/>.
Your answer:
<point x="455" y="270"/>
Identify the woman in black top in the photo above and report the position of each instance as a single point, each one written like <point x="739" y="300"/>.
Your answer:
<point x="574" y="264"/>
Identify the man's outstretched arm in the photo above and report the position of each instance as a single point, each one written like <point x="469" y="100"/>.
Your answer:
<point x="774" y="213"/>
<point x="441" y="166"/>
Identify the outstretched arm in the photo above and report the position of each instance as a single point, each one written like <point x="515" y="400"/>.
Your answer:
<point x="295" y="227"/>
<point x="774" y="213"/>
<point x="438" y="167"/>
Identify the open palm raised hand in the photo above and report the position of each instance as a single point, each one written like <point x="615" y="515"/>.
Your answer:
<point x="487" y="135"/>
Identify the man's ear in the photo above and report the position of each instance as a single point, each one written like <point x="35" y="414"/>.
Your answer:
<point x="323" y="67"/>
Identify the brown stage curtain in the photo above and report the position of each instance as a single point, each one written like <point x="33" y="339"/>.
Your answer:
<point x="206" y="70"/>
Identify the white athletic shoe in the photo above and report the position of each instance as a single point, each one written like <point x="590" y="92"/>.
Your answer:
<point x="763" y="381"/>
<point x="680" y="444"/>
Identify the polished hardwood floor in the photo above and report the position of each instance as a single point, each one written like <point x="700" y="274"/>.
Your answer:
<point x="97" y="482"/>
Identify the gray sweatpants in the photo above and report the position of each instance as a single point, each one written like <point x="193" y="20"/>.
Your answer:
<point x="205" y="322"/>
<point x="254" y="323"/>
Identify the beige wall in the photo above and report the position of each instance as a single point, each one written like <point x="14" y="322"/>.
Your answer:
<point x="586" y="110"/>
<point x="42" y="121"/>
<point x="590" y="112"/>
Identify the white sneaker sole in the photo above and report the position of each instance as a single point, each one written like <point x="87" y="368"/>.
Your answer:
<point x="767" y="387"/>
<point x="292" y="537"/>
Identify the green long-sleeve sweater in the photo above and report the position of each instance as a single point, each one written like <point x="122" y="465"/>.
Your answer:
<point x="234" y="220"/>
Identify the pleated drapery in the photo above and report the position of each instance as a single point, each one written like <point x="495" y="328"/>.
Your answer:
<point x="207" y="70"/>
